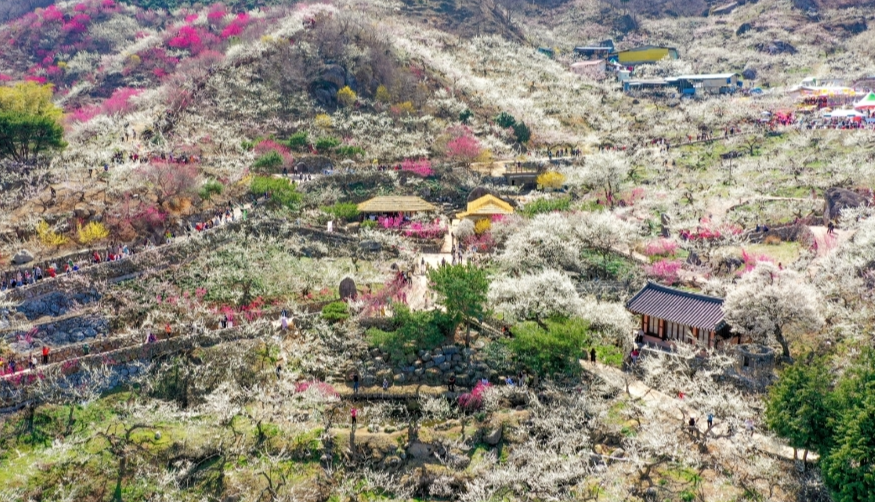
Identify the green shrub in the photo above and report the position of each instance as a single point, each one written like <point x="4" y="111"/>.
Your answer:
<point x="326" y="143"/>
<point x="247" y="145"/>
<point x="346" y="211"/>
<point x="546" y="206"/>
<point x="282" y="193"/>
<point x="553" y="351"/>
<point x="465" y="116"/>
<point x="610" y="355"/>
<point x="522" y="132"/>
<point x="369" y="224"/>
<point x="505" y="120"/>
<point x="210" y="188"/>
<point x="270" y="161"/>
<point x="349" y="151"/>
<point x="335" y="312"/>
<point x="298" y="141"/>
<point x="414" y="331"/>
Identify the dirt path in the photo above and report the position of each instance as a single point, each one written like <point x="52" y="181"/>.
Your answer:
<point x="639" y="390"/>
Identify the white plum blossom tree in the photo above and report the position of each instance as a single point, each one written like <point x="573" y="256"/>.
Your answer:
<point x="768" y="303"/>
<point x="540" y="295"/>
<point x="603" y="232"/>
<point x="603" y="171"/>
<point x="535" y="296"/>
<point x="546" y="242"/>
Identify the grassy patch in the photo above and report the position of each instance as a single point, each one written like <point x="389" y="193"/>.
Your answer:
<point x="785" y="252"/>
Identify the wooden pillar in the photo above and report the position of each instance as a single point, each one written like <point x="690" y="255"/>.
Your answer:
<point x="662" y="329"/>
<point x="644" y="323"/>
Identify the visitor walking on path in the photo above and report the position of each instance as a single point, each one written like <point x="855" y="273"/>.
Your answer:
<point x="45" y="354"/>
<point x="592" y="355"/>
<point x="353" y="415"/>
<point x="710" y="420"/>
<point x="355" y="383"/>
<point x="451" y="383"/>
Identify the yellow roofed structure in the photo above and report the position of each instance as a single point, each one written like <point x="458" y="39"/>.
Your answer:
<point x="395" y="204"/>
<point x="486" y="207"/>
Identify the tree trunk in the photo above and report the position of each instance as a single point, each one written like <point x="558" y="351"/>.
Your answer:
<point x="785" y="346"/>
<point x="122" y="464"/>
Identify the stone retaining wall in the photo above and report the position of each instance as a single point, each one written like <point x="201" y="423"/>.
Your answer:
<point x="70" y="330"/>
<point x="427" y="366"/>
<point x="15" y="390"/>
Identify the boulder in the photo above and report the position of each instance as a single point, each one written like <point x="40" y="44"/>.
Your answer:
<point x="749" y="74"/>
<point x="776" y="47"/>
<point x="347" y="289"/>
<point x="744" y="28"/>
<point x="82" y="211"/>
<point x="625" y="23"/>
<point x="334" y="74"/>
<point x="22" y="257"/>
<point x="450" y="350"/>
<point x="837" y="199"/>
<point x="664" y="219"/>
<point x="370" y="246"/>
<point x="438" y="360"/>
<point x="493" y="437"/>
<point x="392" y="461"/>
<point x="419" y="450"/>
<point x="445" y="367"/>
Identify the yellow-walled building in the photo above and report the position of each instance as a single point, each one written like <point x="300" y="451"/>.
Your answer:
<point x="647" y="54"/>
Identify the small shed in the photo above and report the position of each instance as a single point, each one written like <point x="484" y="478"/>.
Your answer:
<point x="601" y="49"/>
<point x="393" y="205"/>
<point x="670" y="315"/>
<point x="486" y="207"/>
<point x="714" y="82"/>
<point x="654" y="84"/>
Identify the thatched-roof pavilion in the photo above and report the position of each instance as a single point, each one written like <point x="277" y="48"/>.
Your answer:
<point x="393" y="204"/>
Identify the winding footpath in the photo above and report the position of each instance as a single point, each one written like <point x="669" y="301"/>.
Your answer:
<point x="638" y="390"/>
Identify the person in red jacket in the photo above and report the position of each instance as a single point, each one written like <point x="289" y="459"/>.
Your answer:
<point x="45" y="354"/>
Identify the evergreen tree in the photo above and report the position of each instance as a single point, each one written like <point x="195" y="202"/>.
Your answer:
<point x="798" y="407"/>
<point x="461" y="290"/>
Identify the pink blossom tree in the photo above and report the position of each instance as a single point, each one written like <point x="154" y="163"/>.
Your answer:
<point x="421" y="167"/>
<point x="666" y="271"/>
<point x="170" y="180"/>
<point x="464" y="148"/>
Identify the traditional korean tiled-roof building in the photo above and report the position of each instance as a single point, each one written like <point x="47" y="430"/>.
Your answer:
<point x="670" y="315"/>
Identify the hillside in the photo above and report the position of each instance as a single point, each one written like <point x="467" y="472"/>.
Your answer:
<point x="197" y="306"/>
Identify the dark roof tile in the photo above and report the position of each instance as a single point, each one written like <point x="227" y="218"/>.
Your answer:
<point x="688" y="309"/>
